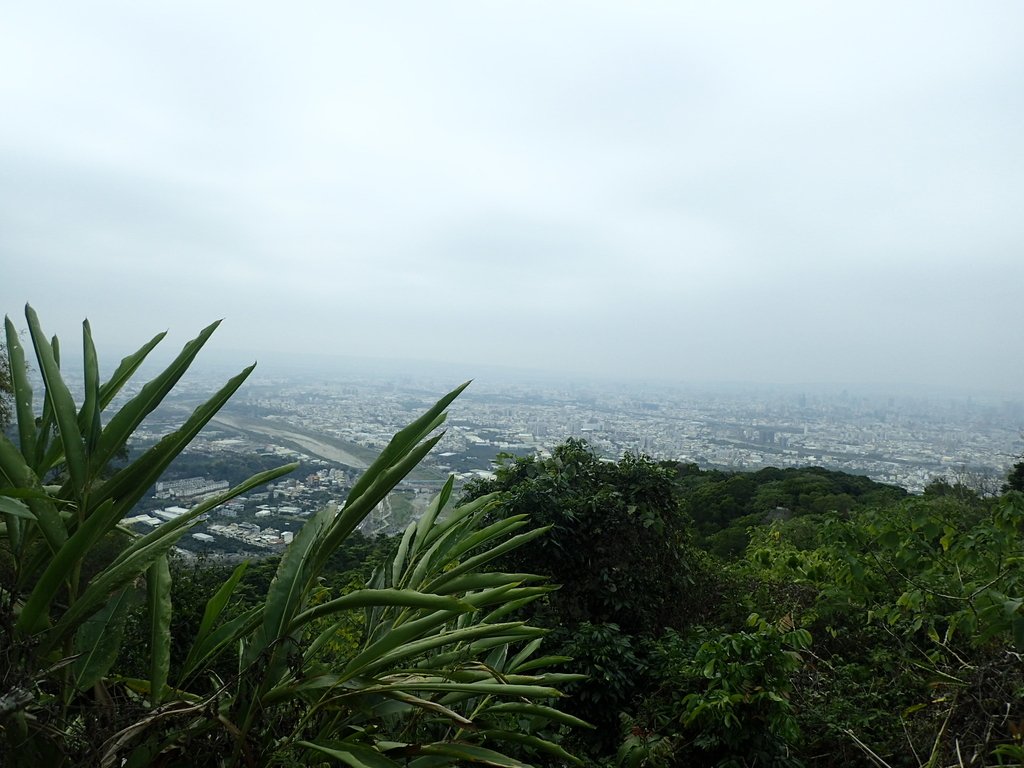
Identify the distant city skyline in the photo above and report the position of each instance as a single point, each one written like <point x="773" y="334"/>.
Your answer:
<point x="790" y="194"/>
<point x="907" y="441"/>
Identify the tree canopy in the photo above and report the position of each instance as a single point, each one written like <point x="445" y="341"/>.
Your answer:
<point x="1015" y="478"/>
<point x="618" y="543"/>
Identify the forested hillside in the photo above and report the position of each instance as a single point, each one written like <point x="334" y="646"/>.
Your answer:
<point x="782" y="617"/>
<point x="571" y="610"/>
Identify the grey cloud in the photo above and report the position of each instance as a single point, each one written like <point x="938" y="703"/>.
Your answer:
<point x="787" y="192"/>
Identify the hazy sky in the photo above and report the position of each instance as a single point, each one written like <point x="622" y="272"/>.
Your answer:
<point x="774" y="192"/>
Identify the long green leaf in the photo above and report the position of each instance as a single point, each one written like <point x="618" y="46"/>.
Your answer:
<point x="469" y="753"/>
<point x="98" y="640"/>
<point x="498" y="688"/>
<point x="216" y="642"/>
<point x="405" y="439"/>
<point x="110" y="580"/>
<point x="15" y="473"/>
<point x="387" y="651"/>
<point x="398" y="564"/>
<point x="59" y="398"/>
<point x="354" y="755"/>
<point x="436" y="557"/>
<point x="398" y="628"/>
<point x="474" y="581"/>
<point x="458" y="516"/>
<point x="468" y="542"/>
<point x="354" y="512"/>
<point x="430" y="761"/>
<point x="498" y="529"/>
<point x="441" y="661"/>
<point x="288" y="588"/>
<point x="14" y="512"/>
<point x="129" y="484"/>
<point x="414" y="540"/>
<point x="36" y="612"/>
<point x="524" y="597"/>
<point x="521" y="657"/>
<point x="126" y="370"/>
<point x="215" y="605"/>
<point x="386" y="637"/>
<point x="15" y="508"/>
<point x="485" y="557"/>
<point x="89" y="416"/>
<point x="127" y="419"/>
<point x="22" y="392"/>
<point x="31" y="494"/>
<point x="401" y="455"/>
<point x="449" y="548"/>
<point x="405" y="683"/>
<point x="364" y="598"/>
<point x="44" y="433"/>
<point x="541" y="662"/>
<point x="144" y="550"/>
<point x="538" y="710"/>
<point x="543" y="745"/>
<point x="158" y="589"/>
<point x="428" y="518"/>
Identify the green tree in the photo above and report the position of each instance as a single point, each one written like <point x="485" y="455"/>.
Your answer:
<point x="618" y="545"/>
<point x="1015" y="478"/>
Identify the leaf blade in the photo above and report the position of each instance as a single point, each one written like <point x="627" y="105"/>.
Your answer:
<point x="158" y="589"/>
<point x="59" y="397"/>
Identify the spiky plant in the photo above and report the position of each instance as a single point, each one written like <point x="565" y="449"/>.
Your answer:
<point x="442" y="675"/>
<point x="60" y="498"/>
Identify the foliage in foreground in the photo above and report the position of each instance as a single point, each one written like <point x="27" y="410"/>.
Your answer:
<point x="620" y="548"/>
<point x="440" y="672"/>
<point x="915" y="608"/>
<point x="619" y="544"/>
<point x="889" y="629"/>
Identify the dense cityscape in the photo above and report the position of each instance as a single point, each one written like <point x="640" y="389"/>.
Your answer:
<point x="335" y="427"/>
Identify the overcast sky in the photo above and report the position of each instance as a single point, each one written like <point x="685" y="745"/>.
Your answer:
<point x="767" y="192"/>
